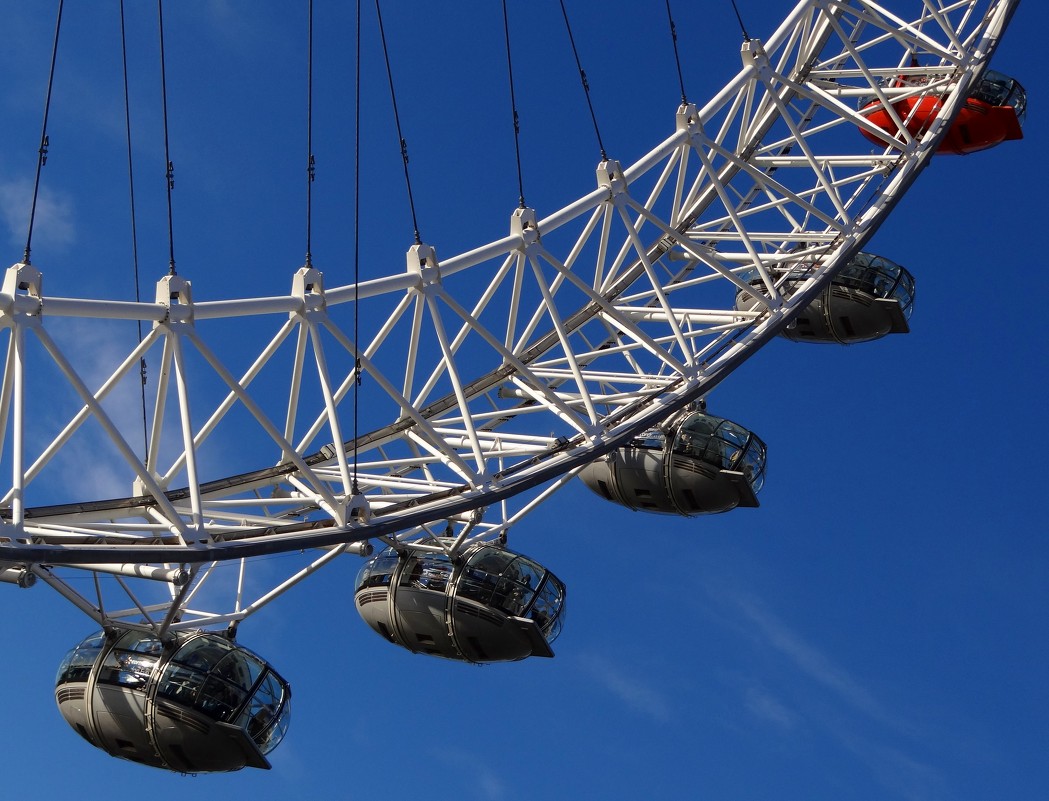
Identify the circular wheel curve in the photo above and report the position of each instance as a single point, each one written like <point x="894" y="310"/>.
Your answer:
<point x="486" y="379"/>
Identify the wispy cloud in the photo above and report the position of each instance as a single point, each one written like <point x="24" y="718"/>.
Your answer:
<point x="474" y="768"/>
<point x="810" y="661"/>
<point x="842" y="706"/>
<point x="54" y="219"/>
<point x="639" y="694"/>
<point x="764" y="706"/>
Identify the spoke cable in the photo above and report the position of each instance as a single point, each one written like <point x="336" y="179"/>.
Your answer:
<point x="513" y="108"/>
<point x="586" y="83"/>
<point x="134" y="227"/>
<point x="677" y="56"/>
<point x="746" y="37"/>
<point x="167" y="149"/>
<point x="397" y="119"/>
<point x="310" y="163"/>
<point x="355" y="488"/>
<point x="44" y="143"/>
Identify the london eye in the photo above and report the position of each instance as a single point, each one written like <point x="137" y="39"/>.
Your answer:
<point x="418" y="417"/>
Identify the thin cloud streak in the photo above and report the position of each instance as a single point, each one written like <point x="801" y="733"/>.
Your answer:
<point x="637" y="694"/>
<point x="54" y="214"/>
<point x="810" y="661"/>
<point x="763" y="705"/>
<point x="898" y="772"/>
<point x="473" y="767"/>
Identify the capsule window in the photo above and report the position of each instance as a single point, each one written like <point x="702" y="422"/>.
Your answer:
<point x="78" y="663"/>
<point x="263" y="717"/>
<point x="219" y="699"/>
<point x="181" y="684"/>
<point x="204" y="653"/>
<point x="378" y="570"/>
<point x="428" y="572"/>
<point x="240" y="669"/>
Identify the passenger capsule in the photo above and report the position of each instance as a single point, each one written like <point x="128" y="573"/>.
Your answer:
<point x="695" y="464"/>
<point x="993" y="113"/>
<point x="868" y="299"/>
<point x="489" y="605"/>
<point x="198" y="703"/>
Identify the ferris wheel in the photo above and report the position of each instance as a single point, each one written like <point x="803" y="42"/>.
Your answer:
<point x="422" y="415"/>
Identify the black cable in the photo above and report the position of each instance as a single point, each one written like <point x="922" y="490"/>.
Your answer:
<point x="354" y="488"/>
<point x="134" y="226"/>
<point x="677" y="57"/>
<point x="746" y="37"/>
<point x="586" y="84"/>
<point x="310" y="163"/>
<point x="167" y="149"/>
<point x="397" y="119"/>
<point x="513" y="108"/>
<point x="41" y="159"/>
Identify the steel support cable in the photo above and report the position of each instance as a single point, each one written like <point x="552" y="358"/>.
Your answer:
<point x="310" y="163"/>
<point x="354" y="486"/>
<point x="586" y="83"/>
<point x="677" y="57"/>
<point x="134" y="224"/>
<point x="41" y="159"/>
<point x="397" y="120"/>
<point x="739" y="17"/>
<point x="513" y="108"/>
<point x="167" y="149"/>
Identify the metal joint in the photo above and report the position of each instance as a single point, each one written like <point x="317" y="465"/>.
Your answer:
<point x="610" y="176"/>
<point x="308" y="286"/>
<point x="422" y="261"/>
<point x="175" y="293"/>
<point x="523" y="224"/>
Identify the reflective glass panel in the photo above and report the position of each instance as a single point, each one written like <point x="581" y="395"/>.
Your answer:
<point x="240" y="668"/>
<point x="491" y="560"/>
<point x="377" y="570"/>
<point x="428" y="572"/>
<point x="653" y="438"/>
<point x="180" y="683"/>
<point x="78" y="662"/>
<point x="204" y="653"/>
<point x="219" y="699"/>
<point x="511" y="597"/>
<point x="126" y="668"/>
<point x="264" y="718"/>
<point x="547" y="608"/>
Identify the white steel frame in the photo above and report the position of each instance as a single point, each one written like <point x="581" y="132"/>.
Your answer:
<point x="489" y="378"/>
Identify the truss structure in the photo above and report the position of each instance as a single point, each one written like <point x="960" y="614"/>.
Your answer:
<point x="486" y="379"/>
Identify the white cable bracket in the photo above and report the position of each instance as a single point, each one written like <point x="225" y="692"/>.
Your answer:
<point x="610" y="176"/>
<point x="25" y="281"/>
<point x="175" y="293"/>
<point x="688" y="121"/>
<point x="358" y="510"/>
<point x="308" y="286"/>
<point x="754" y="55"/>
<point x="422" y="261"/>
<point x="523" y="224"/>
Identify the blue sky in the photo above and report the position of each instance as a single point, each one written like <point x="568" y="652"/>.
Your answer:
<point x="875" y="630"/>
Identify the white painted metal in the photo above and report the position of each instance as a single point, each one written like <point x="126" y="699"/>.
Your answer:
<point x="490" y="377"/>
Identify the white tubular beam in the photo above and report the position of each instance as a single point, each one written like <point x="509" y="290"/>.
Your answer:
<point x="17" y="575"/>
<point x="170" y="575"/>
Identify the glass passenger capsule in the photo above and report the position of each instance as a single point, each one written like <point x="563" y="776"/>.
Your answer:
<point x="695" y="464"/>
<point x="489" y="605"/>
<point x="198" y="703"/>
<point x="869" y="298"/>
<point x="993" y="113"/>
